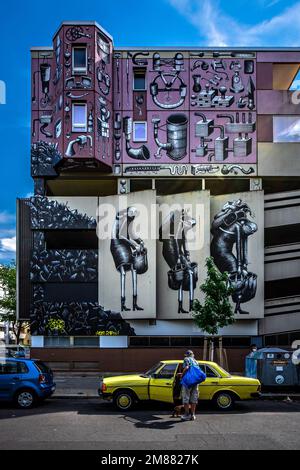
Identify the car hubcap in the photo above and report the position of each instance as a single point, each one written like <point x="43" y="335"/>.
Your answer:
<point x="224" y="401"/>
<point x="124" y="401"/>
<point x="25" y="399"/>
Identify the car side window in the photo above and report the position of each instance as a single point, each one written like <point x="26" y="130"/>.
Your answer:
<point x="167" y="372"/>
<point x="8" y="367"/>
<point x="22" y="368"/>
<point x="210" y="372"/>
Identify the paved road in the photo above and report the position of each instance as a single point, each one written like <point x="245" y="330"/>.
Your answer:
<point x="93" y="424"/>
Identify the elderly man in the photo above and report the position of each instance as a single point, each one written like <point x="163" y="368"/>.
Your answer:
<point x="189" y="395"/>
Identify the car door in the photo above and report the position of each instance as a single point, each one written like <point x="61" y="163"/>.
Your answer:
<point x="211" y="384"/>
<point x="162" y="383"/>
<point x="9" y="378"/>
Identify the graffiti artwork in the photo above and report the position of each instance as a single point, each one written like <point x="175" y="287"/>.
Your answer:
<point x="230" y="229"/>
<point x="129" y="254"/>
<point x="183" y="273"/>
<point x="182" y="246"/>
<point x="235" y="232"/>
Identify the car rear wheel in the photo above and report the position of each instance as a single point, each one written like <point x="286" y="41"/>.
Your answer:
<point x="224" y="401"/>
<point x="124" y="400"/>
<point x="25" y="399"/>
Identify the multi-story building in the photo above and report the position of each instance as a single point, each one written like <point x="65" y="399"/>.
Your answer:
<point x="214" y="131"/>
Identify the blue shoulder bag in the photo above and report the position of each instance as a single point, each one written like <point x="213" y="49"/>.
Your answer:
<point x="193" y="376"/>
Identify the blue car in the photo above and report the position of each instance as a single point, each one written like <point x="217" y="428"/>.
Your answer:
<point x="25" y="381"/>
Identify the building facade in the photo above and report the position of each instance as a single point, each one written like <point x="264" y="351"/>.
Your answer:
<point x="198" y="146"/>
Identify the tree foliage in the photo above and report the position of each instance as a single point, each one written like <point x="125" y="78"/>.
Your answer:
<point x="8" y="300"/>
<point x="216" y="311"/>
<point x="8" y="285"/>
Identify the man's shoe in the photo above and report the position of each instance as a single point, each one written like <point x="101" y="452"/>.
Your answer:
<point x="185" y="418"/>
<point x="193" y="418"/>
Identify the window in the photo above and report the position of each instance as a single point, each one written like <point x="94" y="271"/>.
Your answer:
<point x="286" y="129"/>
<point x="9" y="367"/>
<point x="79" y="60"/>
<point x="79" y="117"/>
<point x="57" y="341"/>
<point x="139" y="131"/>
<point x="285" y="76"/>
<point x="210" y="372"/>
<point x="139" y="79"/>
<point x="167" y="372"/>
<point x="83" y="341"/>
<point x="178" y="341"/>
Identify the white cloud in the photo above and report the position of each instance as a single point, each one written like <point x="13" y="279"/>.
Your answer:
<point x="219" y="29"/>
<point x="8" y="244"/>
<point x="6" y="217"/>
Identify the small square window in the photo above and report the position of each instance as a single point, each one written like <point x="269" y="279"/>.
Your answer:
<point x="79" y="117"/>
<point x="139" y="131"/>
<point x="79" y="60"/>
<point x="286" y="129"/>
<point x="139" y="80"/>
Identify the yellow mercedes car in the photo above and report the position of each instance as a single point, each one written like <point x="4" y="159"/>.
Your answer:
<point x="162" y="383"/>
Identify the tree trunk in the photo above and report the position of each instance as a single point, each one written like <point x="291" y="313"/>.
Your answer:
<point x="211" y="350"/>
<point x="221" y="351"/>
<point x="205" y="349"/>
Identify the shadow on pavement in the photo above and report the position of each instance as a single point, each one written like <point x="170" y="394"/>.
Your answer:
<point x="149" y="415"/>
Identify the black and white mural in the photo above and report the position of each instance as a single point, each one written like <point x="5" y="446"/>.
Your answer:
<point x="127" y="254"/>
<point x="183" y="273"/>
<point x="182" y="247"/>
<point x="65" y="278"/>
<point x="237" y="247"/>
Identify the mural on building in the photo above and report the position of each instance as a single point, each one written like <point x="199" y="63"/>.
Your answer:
<point x="182" y="246"/>
<point x="129" y="254"/>
<point x="231" y="228"/>
<point x="62" y="274"/>
<point x="237" y="241"/>
<point x="183" y="273"/>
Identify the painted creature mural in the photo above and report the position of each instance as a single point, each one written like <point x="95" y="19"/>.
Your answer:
<point x="183" y="273"/>
<point x="231" y="228"/>
<point x="129" y="253"/>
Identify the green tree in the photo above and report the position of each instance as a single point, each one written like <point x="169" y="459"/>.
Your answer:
<point x="216" y="311"/>
<point x="8" y="299"/>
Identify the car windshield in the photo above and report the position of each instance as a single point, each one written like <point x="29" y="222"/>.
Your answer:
<point x="153" y="369"/>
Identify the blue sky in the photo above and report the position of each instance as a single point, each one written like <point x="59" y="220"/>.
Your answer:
<point x="131" y="23"/>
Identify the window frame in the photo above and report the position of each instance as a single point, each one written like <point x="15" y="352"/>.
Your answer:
<point x="135" y="73"/>
<point x="79" y="127"/>
<point x="136" y="139"/>
<point x="79" y="70"/>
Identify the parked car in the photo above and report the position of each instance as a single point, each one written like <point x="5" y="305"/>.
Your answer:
<point x="25" y="381"/>
<point x="162" y="383"/>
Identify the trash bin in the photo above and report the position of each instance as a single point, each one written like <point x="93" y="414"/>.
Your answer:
<point x="275" y="368"/>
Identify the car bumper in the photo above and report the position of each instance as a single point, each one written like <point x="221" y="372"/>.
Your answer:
<point x="255" y="395"/>
<point x="47" y="390"/>
<point x="104" y="396"/>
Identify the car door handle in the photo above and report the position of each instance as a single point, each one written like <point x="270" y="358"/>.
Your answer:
<point x="168" y="383"/>
<point x="214" y="383"/>
<point x="16" y="378"/>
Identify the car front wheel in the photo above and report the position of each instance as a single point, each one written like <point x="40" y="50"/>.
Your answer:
<point x="124" y="400"/>
<point x="224" y="401"/>
<point x="25" y="399"/>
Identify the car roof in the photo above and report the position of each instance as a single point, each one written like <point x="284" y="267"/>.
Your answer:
<point x="6" y="358"/>
<point x="175" y="361"/>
